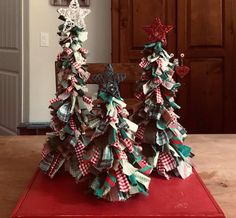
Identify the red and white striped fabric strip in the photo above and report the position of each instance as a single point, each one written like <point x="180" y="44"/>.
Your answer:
<point x="159" y="98"/>
<point x="140" y="132"/>
<point x="72" y="124"/>
<point x="45" y="151"/>
<point x="69" y="89"/>
<point x="76" y="65"/>
<point x="87" y="99"/>
<point x="139" y="95"/>
<point x="95" y="156"/>
<point x="84" y="167"/>
<point x="54" y="100"/>
<point x="165" y="163"/>
<point x="116" y="144"/>
<point x="68" y="51"/>
<point x="122" y="180"/>
<point x="72" y="59"/>
<point x="79" y="151"/>
<point x="55" y="164"/>
<point x="143" y="63"/>
<point x="83" y="50"/>
<point x="128" y="144"/>
<point x="73" y="80"/>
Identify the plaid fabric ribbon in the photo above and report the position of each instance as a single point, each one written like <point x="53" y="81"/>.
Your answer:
<point x="87" y="99"/>
<point x="83" y="50"/>
<point x="76" y="65"/>
<point x="73" y="80"/>
<point x="72" y="124"/>
<point x="68" y="51"/>
<point x="79" y="151"/>
<point x="165" y="164"/>
<point x="139" y="95"/>
<point x="122" y="111"/>
<point x="122" y="155"/>
<point x="45" y="151"/>
<point x="157" y="80"/>
<point x="69" y="89"/>
<point x="54" y="100"/>
<point x="159" y="98"/>
<point x="84" y="168"/>
<point x="128" y="144"/>
<point x="162" y="138"/>
<point x="95" y="156"/>
<point x="144" y="63"/>
<point x="57" y="162"/>
<point x="145" y="168"/>
<point x="140" y="133"/>
<point x="122" y="180"/>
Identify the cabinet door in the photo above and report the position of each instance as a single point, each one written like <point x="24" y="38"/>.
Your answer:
<point x="128" y="19"/>
<point x="205" y="36"/>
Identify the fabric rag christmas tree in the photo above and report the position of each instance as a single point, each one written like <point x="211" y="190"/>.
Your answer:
<point x="71" y="107"/>
<point x="112" y="160"/>
<point x="159" y="133"/>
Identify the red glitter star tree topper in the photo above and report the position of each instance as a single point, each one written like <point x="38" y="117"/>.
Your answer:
<point x="157" y="31"/>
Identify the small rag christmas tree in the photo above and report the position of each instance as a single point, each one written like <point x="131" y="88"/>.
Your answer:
<point x="159" y="132"/>
<point x="71" y="107"/>
<point x="112" y="160"/>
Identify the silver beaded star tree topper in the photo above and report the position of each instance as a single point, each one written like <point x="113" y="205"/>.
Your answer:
<point x="74" y="15"/>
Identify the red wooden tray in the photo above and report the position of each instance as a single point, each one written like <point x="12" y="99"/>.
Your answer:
<point x="61" y="197"/>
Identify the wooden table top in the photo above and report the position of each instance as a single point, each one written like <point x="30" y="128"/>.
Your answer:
<point x="215" y="161"/>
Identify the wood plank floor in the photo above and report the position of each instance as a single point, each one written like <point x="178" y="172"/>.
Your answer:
<point x="215" y="161"/>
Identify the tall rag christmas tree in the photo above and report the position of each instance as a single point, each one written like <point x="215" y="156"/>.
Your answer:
<point x="159" y="133"/>
<point x="112" y="160"/>
<point x="71" y="107"/>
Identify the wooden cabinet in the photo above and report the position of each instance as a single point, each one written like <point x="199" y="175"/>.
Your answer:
<point x="204" y="31"/>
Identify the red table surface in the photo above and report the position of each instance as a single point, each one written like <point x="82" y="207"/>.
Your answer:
<point x="61" y="197"/>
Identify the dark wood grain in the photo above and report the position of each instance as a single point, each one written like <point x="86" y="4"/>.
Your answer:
<point x="205" y="32"/>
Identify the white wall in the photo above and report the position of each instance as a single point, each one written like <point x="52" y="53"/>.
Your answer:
<point x="43" y="18"/>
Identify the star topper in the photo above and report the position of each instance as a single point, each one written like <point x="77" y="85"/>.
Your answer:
<point x="157" y="31"/>
<point x="109" y="81"/>
<point x="74" y="15"/>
